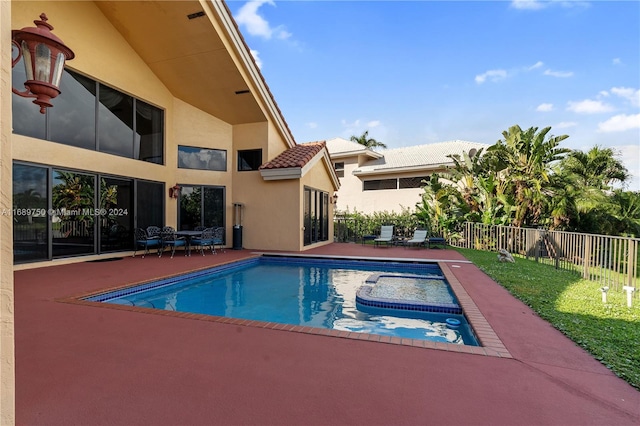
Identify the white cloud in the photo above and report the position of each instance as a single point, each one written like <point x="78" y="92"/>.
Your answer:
<point x="617" y="61"/>
<point x="312" y="125"/>
<point x="543" y="4"/>
<point x="256" y="57"/>
<point x="374" y="123"/>
<point x="255" y="24"/>
<point x="588" y="106"/>
<point x="630" y="157"/>
<point x="545" y="107"/>
<point x="536" y="65"/>
<point x="528" y="4"/>
<point x="620" y="123"/>
<point x="565" y="124"/>
<point x="493" y="75"/>
<point x="559" y="74"/>
<point x="632" y="95"/>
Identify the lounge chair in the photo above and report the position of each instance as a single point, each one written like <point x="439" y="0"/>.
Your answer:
<point x="419" y="239"/>
<point x="386" y="235"/>
<point x="436" y="241"/>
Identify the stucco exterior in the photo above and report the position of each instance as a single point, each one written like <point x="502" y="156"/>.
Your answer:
<point x="7" y="351"/>
<point x="406" y="166"/>
<point x="188" y="60"/>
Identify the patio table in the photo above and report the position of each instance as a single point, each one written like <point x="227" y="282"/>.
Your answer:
<point x="189" y="235"/>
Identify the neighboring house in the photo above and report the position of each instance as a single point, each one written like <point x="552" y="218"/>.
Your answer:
<point x="389" y="180"/>
<point x="163" y="119"/>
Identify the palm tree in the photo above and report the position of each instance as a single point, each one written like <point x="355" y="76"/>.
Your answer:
<point x="598" y="168"/>
<point x="525" y="160"/>
<point x="365" y="140"/>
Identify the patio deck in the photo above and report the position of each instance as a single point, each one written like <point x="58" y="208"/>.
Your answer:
<point x="87" y="365"/>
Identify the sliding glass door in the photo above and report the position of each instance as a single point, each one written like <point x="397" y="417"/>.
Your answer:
<point x="201" y="206"/>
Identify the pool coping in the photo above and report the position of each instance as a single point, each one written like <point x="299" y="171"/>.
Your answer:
<point x="491" y="344"/>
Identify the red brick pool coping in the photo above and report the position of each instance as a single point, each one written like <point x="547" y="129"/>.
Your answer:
<point x="490" y="343"/>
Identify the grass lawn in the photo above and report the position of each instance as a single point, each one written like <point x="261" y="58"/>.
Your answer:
<point x="609" y="331"/>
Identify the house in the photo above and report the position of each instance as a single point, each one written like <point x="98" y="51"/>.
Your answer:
<point x="163" y="119"/>
<point x="389" y="180"/>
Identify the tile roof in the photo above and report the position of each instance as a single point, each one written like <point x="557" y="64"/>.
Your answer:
<point x="337" y="146"/>
<point x="434" y="154"/>
<point x="298" y="156"/>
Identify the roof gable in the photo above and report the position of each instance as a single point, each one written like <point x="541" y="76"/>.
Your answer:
<point x="294" y="162"/>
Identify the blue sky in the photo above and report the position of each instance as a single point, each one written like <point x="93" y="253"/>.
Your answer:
<point x="417" y="72"/>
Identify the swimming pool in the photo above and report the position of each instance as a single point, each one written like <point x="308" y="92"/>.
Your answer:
<point x="310" y="292"/>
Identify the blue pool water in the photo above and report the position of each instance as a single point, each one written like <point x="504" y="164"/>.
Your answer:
<point x="297" y="291"/>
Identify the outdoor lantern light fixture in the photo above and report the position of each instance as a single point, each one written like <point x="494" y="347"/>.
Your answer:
<point x="335" y="198"/>
<point x="44" y="55"/>
<point x="174" y="191"/>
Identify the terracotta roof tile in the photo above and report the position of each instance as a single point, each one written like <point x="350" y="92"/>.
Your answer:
<point x="297" y="156"/>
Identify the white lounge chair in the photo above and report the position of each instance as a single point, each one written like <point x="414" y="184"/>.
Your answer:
<point x="419" y="238"/>
<point x="386" y="235"/>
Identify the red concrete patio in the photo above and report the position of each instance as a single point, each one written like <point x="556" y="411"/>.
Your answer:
<point x="84" y="365"/>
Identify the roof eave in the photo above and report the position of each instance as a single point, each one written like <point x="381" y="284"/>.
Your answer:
<point x="429" y="167"/>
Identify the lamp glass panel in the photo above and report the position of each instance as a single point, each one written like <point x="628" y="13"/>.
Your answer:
<point x="43" y="63"/>
<point x="26" y="57"/>
<point x="57" y="70"/>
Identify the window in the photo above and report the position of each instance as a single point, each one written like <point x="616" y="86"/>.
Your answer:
<point x="249" y="159"/>
<point x="202" y="159"/>
<point x="375" y="185"/>
<point x="413" y="182"/>
<point x="92" y="115"/>
<point x="201" y="206"/>
<point x="339" y="169"/>
<point x="316" y="216"/>
<point x="62" y="213"/>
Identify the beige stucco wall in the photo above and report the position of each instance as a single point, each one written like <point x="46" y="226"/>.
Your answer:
<point x="272" y="209"/>
<point x="7" y="348"/>
<point x="193" y="127"/>
<point x="351" y="196"/>
<point x="119" y="66"/>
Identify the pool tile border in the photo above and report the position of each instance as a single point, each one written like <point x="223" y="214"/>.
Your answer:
<point x="484" y="333"/>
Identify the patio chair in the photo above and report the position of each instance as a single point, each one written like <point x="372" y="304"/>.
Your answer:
<point x="143" y="240"/>
<point x="170" y="239"/>
<point x="419" y="239"/>
<point x="154" y="231"/>
<point x="386" y="235"/>
<point x="218" y="238"/>
<point x="205" y="240"/>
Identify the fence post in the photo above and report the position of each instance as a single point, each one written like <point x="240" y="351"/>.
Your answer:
<point x="586" y="257"/>
<point x="631" y="261"/>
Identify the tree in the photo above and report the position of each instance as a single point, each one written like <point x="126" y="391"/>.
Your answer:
<point x="525" y="159"/>
<point x="598" y="168"/>
<point x="365" y="140"/>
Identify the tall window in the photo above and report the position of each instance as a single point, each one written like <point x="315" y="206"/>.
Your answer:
<point x="339" y="169"/>
<point x="316" y="216"/>
<point x="201" y="206"/>
<point x="249" y="159"/>
<point x="92" y="115"/>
